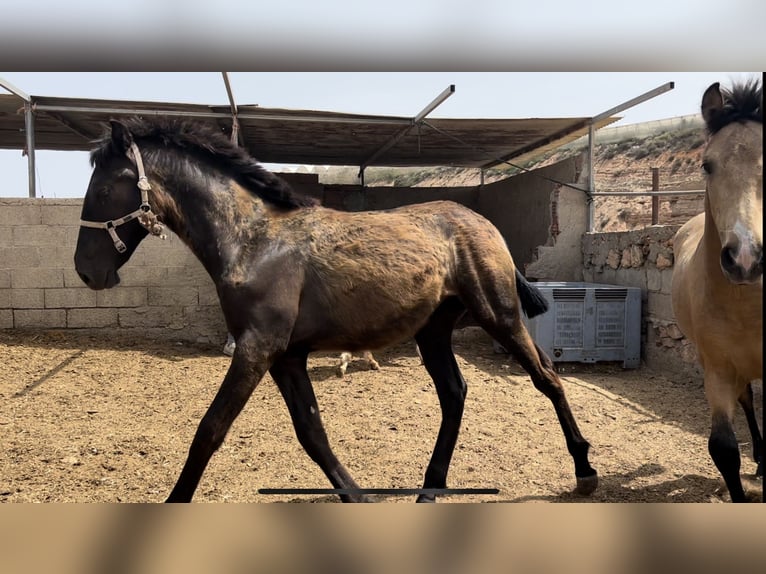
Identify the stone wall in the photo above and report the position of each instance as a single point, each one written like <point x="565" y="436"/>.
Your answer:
<point x="644" y="258"/>
<point x="163" y="285"/>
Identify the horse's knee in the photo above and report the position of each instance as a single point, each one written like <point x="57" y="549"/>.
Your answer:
<point x="210" y="435"/>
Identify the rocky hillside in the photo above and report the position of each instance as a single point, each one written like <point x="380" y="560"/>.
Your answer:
<point x="620" y="166"/>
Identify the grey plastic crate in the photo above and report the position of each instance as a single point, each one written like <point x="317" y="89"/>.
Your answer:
<point x="589" y="322"/>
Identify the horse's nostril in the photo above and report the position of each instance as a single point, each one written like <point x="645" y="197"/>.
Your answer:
<point x="728" y="261"/>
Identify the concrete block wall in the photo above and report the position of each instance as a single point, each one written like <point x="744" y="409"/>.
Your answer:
<point x="164" y="289"/>
<point x="644" y="258"/>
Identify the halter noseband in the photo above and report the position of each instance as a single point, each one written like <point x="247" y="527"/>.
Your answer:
<point x="146" y="217"/>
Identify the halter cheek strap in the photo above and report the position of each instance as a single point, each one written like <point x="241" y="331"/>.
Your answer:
<point x="146" y="217"/>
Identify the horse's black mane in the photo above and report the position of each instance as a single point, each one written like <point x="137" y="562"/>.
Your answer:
<point x="744" y="101"/>
<point x="209" y="144"/>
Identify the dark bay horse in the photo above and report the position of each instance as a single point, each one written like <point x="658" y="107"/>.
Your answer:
<point x="718" y="273"/>
<point x="294" y="277"/>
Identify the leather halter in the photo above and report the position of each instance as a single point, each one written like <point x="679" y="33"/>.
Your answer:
<point x="146" y="217"/>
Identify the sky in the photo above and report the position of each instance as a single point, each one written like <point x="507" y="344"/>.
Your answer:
<point x="477" y="95"/>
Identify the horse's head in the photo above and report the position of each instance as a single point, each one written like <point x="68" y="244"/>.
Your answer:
<point x="733" y="163"/>
<point x="114" y="211"/>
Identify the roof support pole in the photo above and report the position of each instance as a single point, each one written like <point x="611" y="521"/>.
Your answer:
<point x="592" y="137"/>
<point x="29" y="126"/>
<point x="591" y="177"/>
<point x="236" y="136"/>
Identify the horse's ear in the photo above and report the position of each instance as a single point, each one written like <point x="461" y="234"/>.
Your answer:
<point x="712" y="103"/>
<point x="121" y="137"/>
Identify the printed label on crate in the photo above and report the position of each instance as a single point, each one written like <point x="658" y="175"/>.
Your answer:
<point x="610" y="323"/>
<point x="569" y="324"/>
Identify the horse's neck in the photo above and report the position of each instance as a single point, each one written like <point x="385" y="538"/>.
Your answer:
<point x="214" y="218"/>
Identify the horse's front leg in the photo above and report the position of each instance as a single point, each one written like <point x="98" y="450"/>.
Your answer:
<point x="722" y="392"/>
<point x="746" y="402"/>
<point x="249" y="363"/>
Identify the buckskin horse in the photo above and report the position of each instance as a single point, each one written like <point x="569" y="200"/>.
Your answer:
<point x="717" y="289"/>
<point x="295" y="277"/>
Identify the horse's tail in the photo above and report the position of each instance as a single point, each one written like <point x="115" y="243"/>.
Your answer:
<point x="533" y="303"/>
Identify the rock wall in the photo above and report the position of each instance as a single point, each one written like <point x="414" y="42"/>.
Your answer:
<point x="644" y="258"/>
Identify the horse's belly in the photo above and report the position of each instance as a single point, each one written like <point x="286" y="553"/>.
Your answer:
<point x="363" y="319"/>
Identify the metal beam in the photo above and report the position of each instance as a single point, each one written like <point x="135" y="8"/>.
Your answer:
<point x="15" y="91"/>
<point x="635" y="101"/>
<point x="412" y="123"/>
<point x="216" y="115"/>
<point x="236" y="134"/>
<point x="76" y="129"/>
<point x="535" y="144"/>
<point x="648" y="193"/>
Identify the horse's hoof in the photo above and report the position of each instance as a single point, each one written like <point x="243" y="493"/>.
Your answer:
<point x="426" y="498"/>
<point x="586" y="484"/>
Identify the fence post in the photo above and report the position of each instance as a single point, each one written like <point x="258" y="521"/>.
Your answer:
<point x="655" y="198"/>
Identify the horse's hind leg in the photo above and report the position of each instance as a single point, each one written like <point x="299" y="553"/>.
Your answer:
<point x="435" y="343"/>
<point x="345" y="357"/>
<point x="495" y="306"/>
<point x="533" y="359"/>
<point x="371" y="362"/>
<point x="746" y="402"/>
<point x="289" y="372"/>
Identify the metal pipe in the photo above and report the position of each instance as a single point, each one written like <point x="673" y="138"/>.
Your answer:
<point x="434" y="104"/>
<point x="236" y="135"/>
<point x="655" y="198"/>
<point x="648" y="193"/>
<point x="413" y="122"/>
<point x="591" y="178"/>
<point x="14" y="90"/>
<point x="635" y="101"/>
<point x="29" y="126"/>
<point x="214" y="115"/>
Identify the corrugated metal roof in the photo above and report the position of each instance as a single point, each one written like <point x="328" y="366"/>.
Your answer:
<point x="304" y="137"/>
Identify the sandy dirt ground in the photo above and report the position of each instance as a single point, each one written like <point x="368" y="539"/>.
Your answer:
<point x="95" y="418"/>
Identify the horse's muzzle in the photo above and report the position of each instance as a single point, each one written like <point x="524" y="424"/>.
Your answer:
<point x="98" y="280"/>
<point x="742" y="263"/>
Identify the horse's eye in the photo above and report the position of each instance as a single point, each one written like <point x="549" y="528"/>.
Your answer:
<point x="103" y="193"/>
<point x="707" y="166"/>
